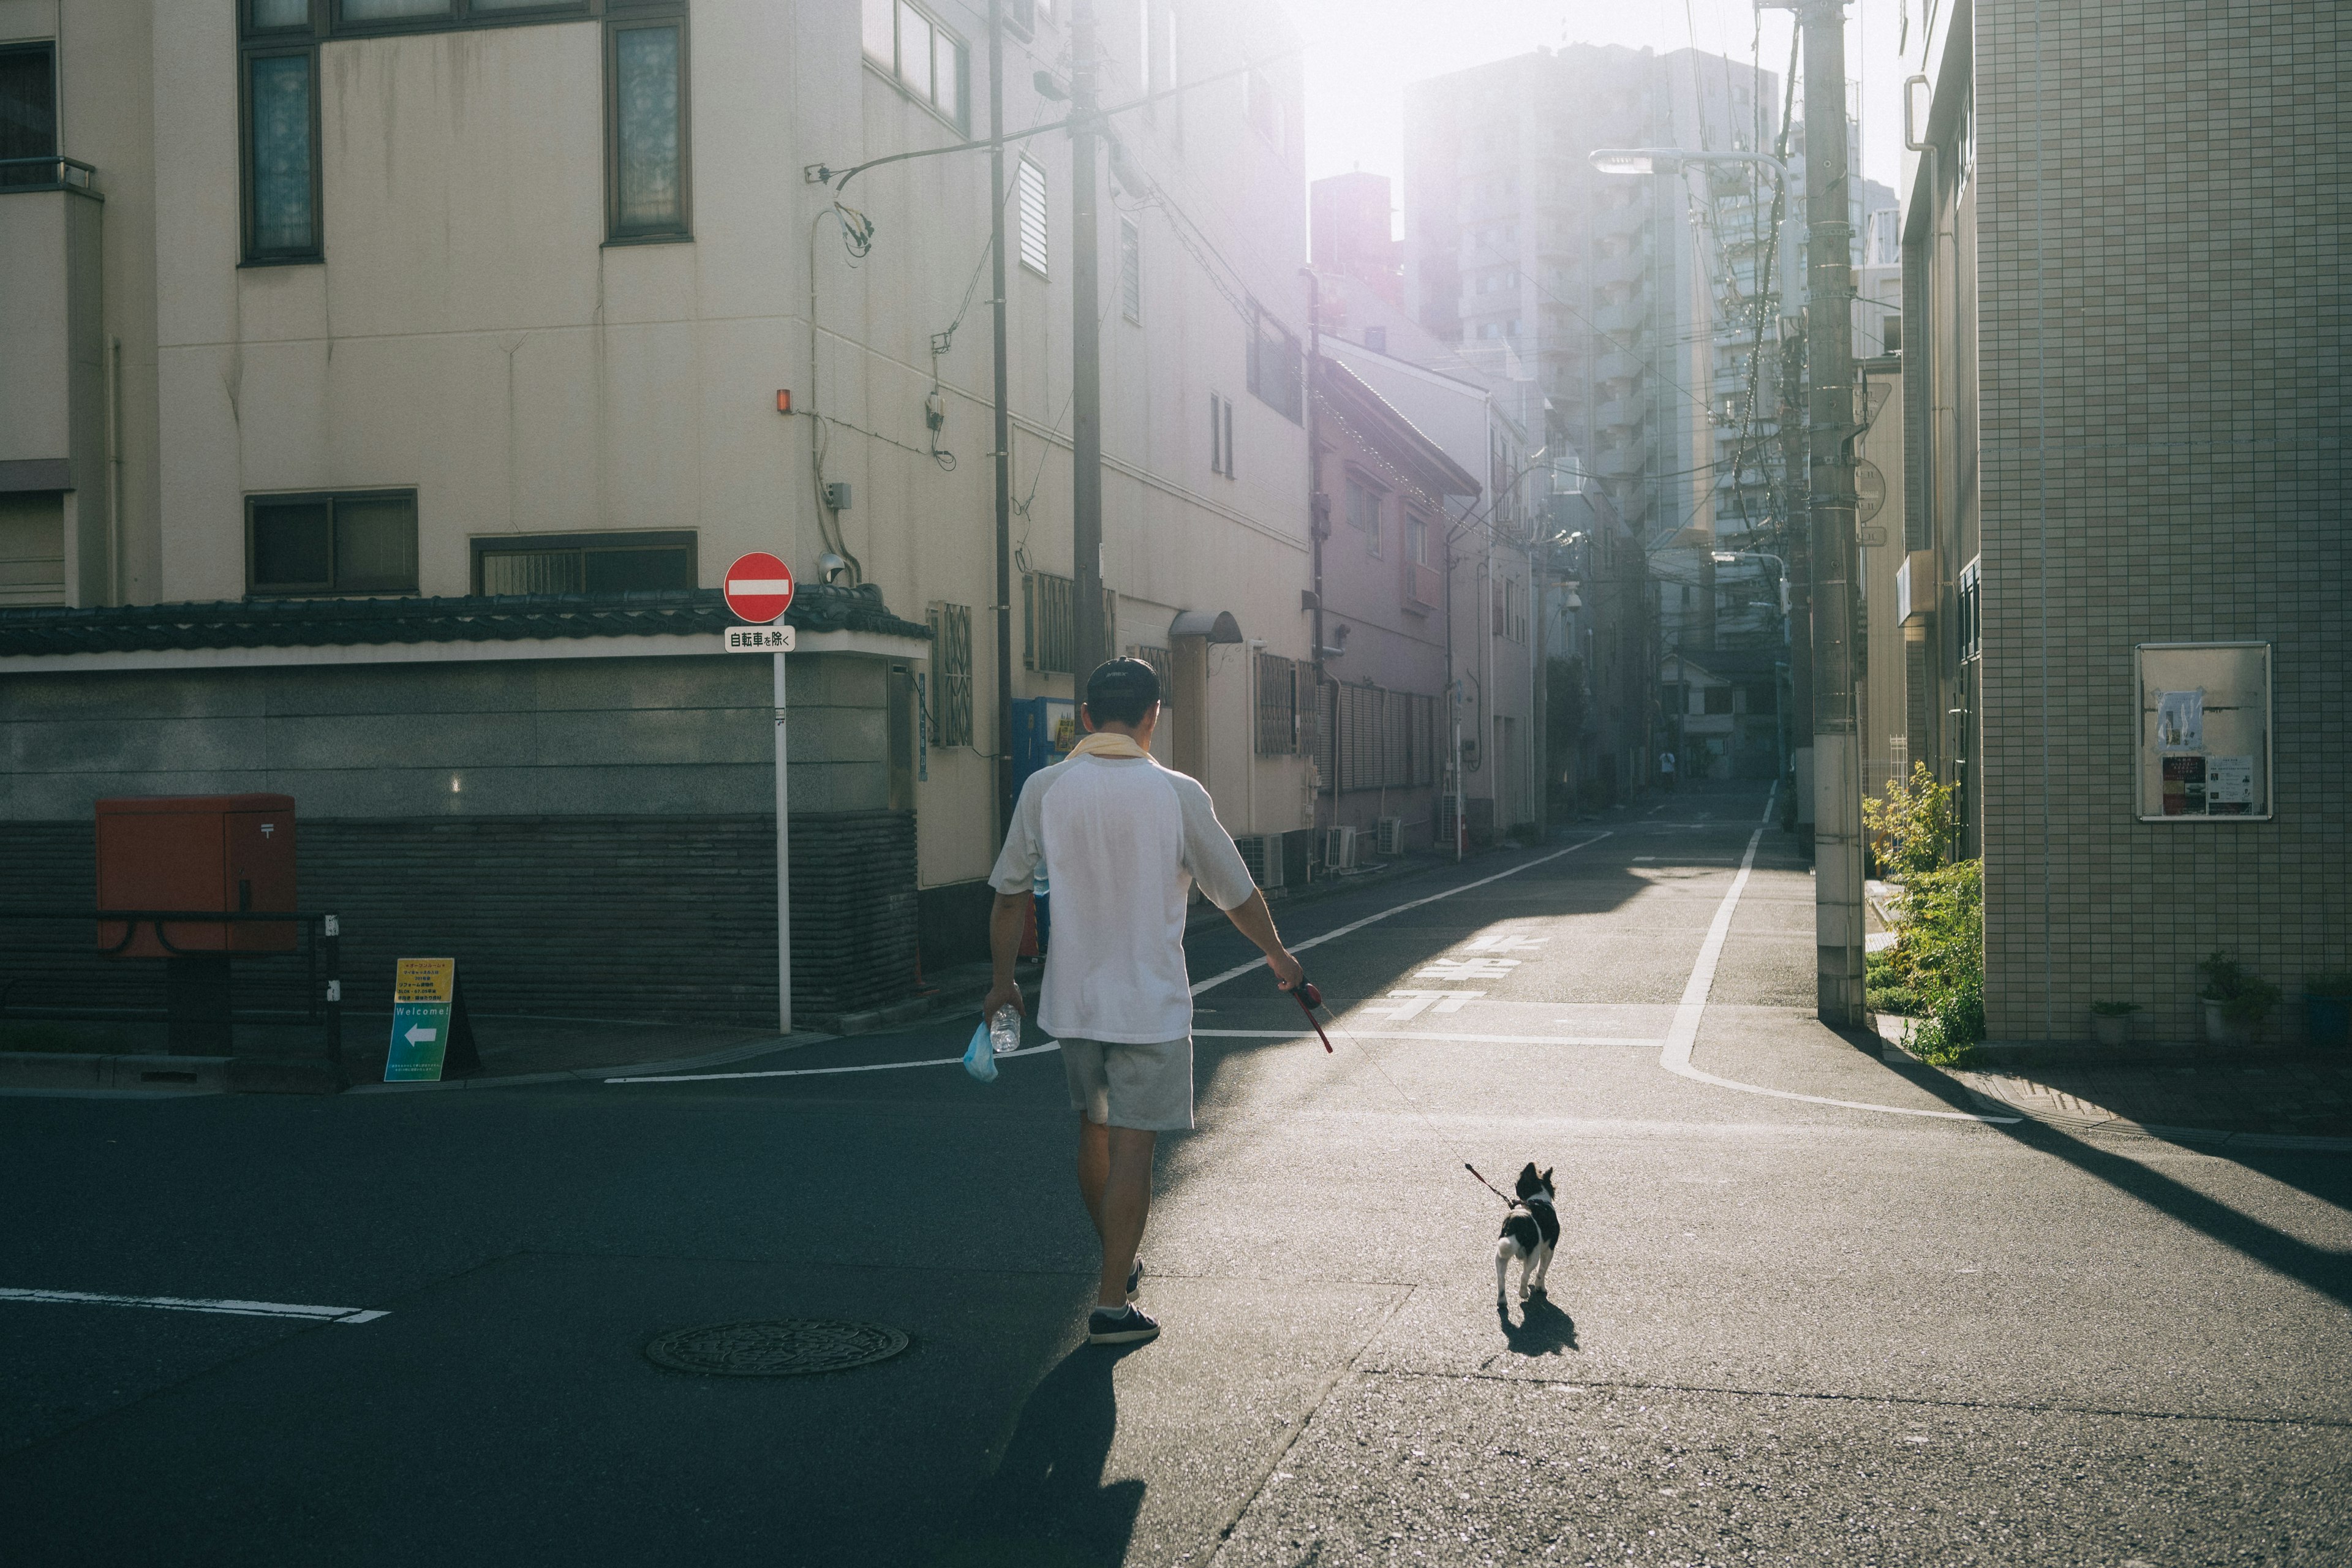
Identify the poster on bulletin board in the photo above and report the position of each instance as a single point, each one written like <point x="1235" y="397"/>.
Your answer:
<point x="2204" y="731"/>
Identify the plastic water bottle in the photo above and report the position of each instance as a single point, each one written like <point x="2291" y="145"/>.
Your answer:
<point x="1004" y="1029"/>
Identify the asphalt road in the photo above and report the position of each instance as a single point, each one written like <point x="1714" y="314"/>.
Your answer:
<point x="1779" y="1329"/>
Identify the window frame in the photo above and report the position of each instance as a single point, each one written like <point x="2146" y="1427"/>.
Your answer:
<point x="1355" y="482"/>
<point x="277" y="43"/>
<point x="641" y="15"/>
<point x="951" y="717"/>
<point x="257" y="499"/>
<point x="482" y="544"/>
<point x="47" y="49"/>
<point x="961" y="120"/>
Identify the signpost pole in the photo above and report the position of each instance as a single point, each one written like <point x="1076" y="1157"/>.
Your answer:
<point x="783" y="868"/>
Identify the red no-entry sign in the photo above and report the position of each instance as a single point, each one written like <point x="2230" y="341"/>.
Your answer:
<point x="759" y="587"/>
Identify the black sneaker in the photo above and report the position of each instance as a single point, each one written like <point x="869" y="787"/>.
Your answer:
<point x="1135" y="1280"/>
<point x="1121" y="1326"/>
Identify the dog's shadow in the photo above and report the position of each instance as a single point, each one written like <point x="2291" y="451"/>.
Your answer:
<point x="1542" y="1328"/>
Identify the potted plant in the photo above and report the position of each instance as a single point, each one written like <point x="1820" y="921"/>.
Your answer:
<point x="2236" y="1000"/>
<point x="2111" y="1022"/>
<point x="2328" y="1006"/>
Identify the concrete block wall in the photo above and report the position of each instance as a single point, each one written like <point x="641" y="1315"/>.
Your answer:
<point x="588" y="837"/>
<point x="2162" y="239"/>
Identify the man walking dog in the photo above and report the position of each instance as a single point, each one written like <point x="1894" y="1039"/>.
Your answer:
<point x="1123" y="840"/>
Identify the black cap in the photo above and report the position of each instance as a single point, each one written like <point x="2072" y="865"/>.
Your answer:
<point x="1122" y="691"/>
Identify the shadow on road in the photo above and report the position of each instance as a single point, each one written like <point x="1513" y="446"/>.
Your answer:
<point x="1542" y="1328"/>
<point x="2327" y="1272"/>
<point x="1045" y="1507"/>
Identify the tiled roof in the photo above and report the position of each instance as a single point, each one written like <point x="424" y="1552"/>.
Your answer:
<point x="331" y="623"/>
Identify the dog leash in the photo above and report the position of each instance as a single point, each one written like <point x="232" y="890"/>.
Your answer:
<point x="1309" y="998"/>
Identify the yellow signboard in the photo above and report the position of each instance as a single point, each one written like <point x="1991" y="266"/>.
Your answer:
<point x="425" y="980"/>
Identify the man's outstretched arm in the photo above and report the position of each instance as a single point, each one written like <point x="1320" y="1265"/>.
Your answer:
<point x="1007" y="918"/>
<point x="1256" y="921"/>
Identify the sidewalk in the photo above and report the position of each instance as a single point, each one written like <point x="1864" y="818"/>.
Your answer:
<point x="2270" y="1100"/>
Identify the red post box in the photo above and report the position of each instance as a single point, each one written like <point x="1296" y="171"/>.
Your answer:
<point x="209" y="852"/>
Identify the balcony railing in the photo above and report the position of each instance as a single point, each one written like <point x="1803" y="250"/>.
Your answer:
<point x="49" y="173"/>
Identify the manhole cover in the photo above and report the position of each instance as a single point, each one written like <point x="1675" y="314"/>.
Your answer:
<point x="774" y="1347"/>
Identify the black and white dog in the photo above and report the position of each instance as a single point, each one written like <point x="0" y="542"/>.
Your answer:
<point x="1530" y="1231"/>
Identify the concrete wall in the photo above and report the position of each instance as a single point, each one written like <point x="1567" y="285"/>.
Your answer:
<point x="2160" y="232"/>
<point x="469" y="334"/>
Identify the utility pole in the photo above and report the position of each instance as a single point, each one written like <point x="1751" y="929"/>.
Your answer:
<point x="1829" y="354"/>
<point x="1004" y="426"/>
<point x="1798" y="720"/>
<point x="1086" y="357"/>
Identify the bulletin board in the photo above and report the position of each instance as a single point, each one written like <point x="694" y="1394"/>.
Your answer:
<point x="2204" y="731"/>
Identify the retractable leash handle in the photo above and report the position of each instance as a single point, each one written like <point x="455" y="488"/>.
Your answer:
<point x="1308" y="999"/>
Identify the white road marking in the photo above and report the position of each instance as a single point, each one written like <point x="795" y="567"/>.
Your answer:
<point x="827" y="1072"/>
<point x="1337" y="931"/>
<point x="1479" y="968"/>
<point x="345" y="1315"/>
<point x="1683" y="1032"/>
<point x="1424" y="1035"/>
<point x="1507" y="941"/>
<point x="1411" y="1004"/>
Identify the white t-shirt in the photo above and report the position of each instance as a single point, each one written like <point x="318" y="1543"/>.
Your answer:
<point x="1122" y="841"/>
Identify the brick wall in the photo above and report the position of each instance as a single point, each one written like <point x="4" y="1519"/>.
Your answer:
<point x="2162" y="239"/>
<point x="608" y="916"/>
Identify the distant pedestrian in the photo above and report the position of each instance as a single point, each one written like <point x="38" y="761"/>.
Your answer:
<point x="1125" y="840"/>
<point x="1666" y="770"/>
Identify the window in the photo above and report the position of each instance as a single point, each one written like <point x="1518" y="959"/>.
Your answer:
<point x="28" y="112"/>
<point x="931" y="63"/>
<point x="1416" y="539"/>
<point x="1378" y="739"/>
<point x="281" y="138"/>
<point x="1274" y="366"/>
<point x="952" y="661"/>
<point x="1220" y="436"/>
<point x="1277" y="705"/>
<point x="645" y="120"/>
<point x="1049" y="621"/>
<point x="585" y="563"/>
<point x="1267" y="113"/>
<point x="1364" y="512"/>
<point x="1376" y="338"/>
<point x="362" y="543"/>
<point x="1029" y="181"/>
<point x="1716" y="699"/>
<point x="1130" y="270"/>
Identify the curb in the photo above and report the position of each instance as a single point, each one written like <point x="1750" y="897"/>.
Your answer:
<point x="76" y="1072"/>
<point x="737" y="1053"/>
<point x="1983" y="1089"/>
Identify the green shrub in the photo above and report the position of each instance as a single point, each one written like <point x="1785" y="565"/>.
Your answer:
<point x="2331" y="985"/>
<point x="1942" y="951"/>
<point x="2245" y="997"/>
<point x="1886" y="990"/>
<point x="1910" y="826"/>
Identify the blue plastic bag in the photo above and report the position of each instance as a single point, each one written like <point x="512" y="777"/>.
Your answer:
<point x="979" y="1056"/>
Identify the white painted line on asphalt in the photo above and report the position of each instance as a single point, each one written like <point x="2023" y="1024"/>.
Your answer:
<point x="1683" y="1032"/>
<point x="828" y="1072"/>
<point x="345" y="1315"/>
<point x="1432" y="1034"/>
<point x="1336" y="932"/>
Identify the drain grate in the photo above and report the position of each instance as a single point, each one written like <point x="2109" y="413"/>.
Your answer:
<point x="775" y="1347"/>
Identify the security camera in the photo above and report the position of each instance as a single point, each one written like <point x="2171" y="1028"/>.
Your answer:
<point x="831" y="566"/>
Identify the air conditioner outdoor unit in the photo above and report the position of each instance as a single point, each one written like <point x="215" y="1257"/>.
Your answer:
<point x="1388" y="838"/>
<point x="1338" y="848"/>
<point x="1262" y="853"/>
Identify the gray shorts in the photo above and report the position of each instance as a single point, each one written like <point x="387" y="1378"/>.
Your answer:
<point x="1146" y="1088"/>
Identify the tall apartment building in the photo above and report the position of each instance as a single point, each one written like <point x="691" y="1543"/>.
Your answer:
<point x="1614" y="293"/>
<point x="385" y="385"/>
<point x="2123" y="357"/>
